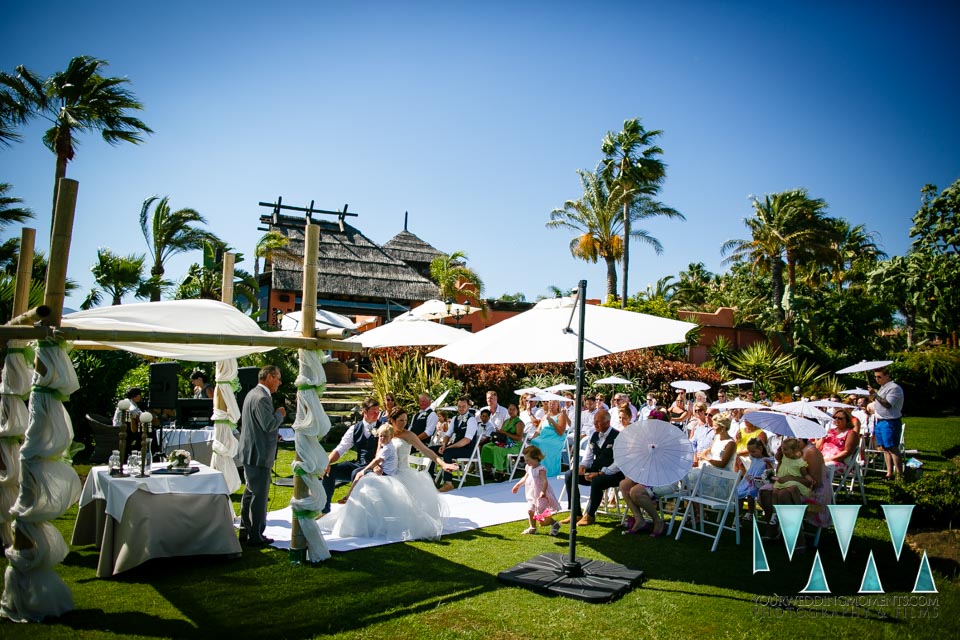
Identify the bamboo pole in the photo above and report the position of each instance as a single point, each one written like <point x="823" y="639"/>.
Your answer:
<point x="226" y="288"/>
<point x="308" y="326"/>
<point x="8" y="332"/>
<point x="31" y="317"/>
<point x="21" y="296"/>
<point x="60" y="236"/>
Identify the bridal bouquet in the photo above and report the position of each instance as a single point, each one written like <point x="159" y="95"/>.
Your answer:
<point x="178" y="459"/>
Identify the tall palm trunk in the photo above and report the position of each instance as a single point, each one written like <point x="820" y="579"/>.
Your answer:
<point x="776" y="275"/>
<point x="611" y="277"/>
<point x="156" y="272"/>
<point x="626" y="252"/>
<point x="63" y="145"/>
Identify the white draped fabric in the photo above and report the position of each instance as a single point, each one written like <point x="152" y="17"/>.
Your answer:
<point x="310" y="426"/>
<point x="225" y="443"/>
<point x="173" y="316"/>
<point x="32" y="590"/>
<point x="17" y="372"/>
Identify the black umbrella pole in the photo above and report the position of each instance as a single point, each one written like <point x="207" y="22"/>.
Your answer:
<point x="572" y="567"/>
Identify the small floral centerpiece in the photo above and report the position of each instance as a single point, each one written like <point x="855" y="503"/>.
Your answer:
<point x="178" y="459"/>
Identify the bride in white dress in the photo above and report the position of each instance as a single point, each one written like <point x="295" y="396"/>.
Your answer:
<point x="405" y="506"/>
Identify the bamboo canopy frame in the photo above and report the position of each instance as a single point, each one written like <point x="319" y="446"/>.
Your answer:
<point x="44" y="321"/>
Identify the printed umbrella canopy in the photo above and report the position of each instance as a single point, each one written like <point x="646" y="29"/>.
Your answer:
<point x="653" y="453"/>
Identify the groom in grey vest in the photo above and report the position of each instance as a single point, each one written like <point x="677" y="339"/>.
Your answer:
<point x="359" y="437"/>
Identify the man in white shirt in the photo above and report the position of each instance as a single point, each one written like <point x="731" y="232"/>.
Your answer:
<point x="721" y="397"/>
<point x="622" y="401"/>
<point x="597" y="469"/>
<point x="498" y="412"/>
<point x="888" y="408"/>
<point x="459" y="444"/>
<point x="424" y="422"/>
<point x="650" y="406"/>
<point x="360" y="437"/>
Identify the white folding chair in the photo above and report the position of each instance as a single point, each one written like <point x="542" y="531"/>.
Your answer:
<point x="419" y="463"/>
<point x="850" y="476"/>
<point x="514" y="460"/>
<point x="715" y="491"/>
<point x="875" y="456"/>
<point x="671" y="500"/>
<point x="470" y="466"/>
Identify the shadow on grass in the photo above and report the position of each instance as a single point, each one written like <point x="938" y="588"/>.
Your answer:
<point x="262" y="595"/>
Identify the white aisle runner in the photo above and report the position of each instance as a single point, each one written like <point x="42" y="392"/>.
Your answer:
<point x="468" y="508"/>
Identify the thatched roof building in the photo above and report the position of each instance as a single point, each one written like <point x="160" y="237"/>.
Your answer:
<point x="354" y="274"/>
<point x="411" y="249"/>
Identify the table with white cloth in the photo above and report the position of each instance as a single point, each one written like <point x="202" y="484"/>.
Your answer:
<point x="199" y="442"/>
<point x="133" y="520"/>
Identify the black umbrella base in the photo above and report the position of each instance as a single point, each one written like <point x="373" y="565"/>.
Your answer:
<point x="587" y="580"/>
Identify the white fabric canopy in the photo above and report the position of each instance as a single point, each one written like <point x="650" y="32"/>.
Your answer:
<point x="225" y="443"/>
<point x="325" y="320"/>
<point x="409" y="333"/>
<point x="542" y="335"/>
<point x="173" y="316"/>
<point x="17" y="372"/>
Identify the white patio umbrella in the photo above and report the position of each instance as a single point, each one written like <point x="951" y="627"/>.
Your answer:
<point x="785" y="424"/>
<point x="830" y="404"/>
<point x="409" y="333"/>
<point x="855" y="392"/>
<point x="545" y="396"/>
<point x="737" y="404"/>
<point x="436" y="310"/>
<point x="325" y="320"/>
<point x="803" y="409"/>
<point x="653" y="453"/>
<point x="563" y="386"/>
<point x="690" y="386"/>
<point x="567" y="330"/>
<point x="613" y="380"/>
<point x="546" y="334"/>
<point x="520" y="392"/>
<point x="737" y="381"/>
<point x="865" y="365"/>
<point x="440" y="398"/>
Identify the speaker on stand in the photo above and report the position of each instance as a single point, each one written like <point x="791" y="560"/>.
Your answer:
<point x="248" y="381"/>
<point x="163" y="395"/>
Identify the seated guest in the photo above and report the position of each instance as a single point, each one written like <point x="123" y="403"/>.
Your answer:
<point x="362" y="439"/>
<point x="485" y="426"/>
<point x="459" y="441"/>
<point x="531" y="415"/>
<point x="840" y="442"/>
<point x="721" y="397"/>
<point x="623" y="418"/>
<point x="747" y="433"/>
<point x="135" y="396"/>
<point x="700" y="428"/>
<point x="597" y="470"/>
<point x="602" y="402"/>
<point x="389" y="404"/>
<point x="424" y="422"/>
<point x="650" y="406"/>
<point x="201" y="385"/>
<point x="678" y="409"/>
<point x="498" y="412"/>
<point x="622" y="400"/>
<point x="505" y="441"/>
<point x="763" y="398"/>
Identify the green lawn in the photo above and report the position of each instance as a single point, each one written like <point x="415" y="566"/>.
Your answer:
<point x="448" y="589"/>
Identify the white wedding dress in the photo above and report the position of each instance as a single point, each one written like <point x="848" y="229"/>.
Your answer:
<point x="405" y="506"/>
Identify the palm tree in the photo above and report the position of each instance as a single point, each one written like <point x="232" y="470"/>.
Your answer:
<point x="10" y="211"/>
<point x="455" y="279"/>
<point x="270" y="246"/>
<point x="76" y="100"/>
<point x="13" y="110"/>
<point x="632" y="163"/>
<point x="596" y="217"/>
<point x="694" y="285"/>
<point x="205" y="281"/>
<point x="168" y="233"/>
<point x="116" y="276"/>
<point x="855" y="253"/>
<point x="787" y="229"/>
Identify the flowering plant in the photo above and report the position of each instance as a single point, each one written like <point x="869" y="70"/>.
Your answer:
<point x="178" y="459"/>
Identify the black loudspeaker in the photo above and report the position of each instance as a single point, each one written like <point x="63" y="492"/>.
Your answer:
<point x="248" y="380"/>
<point x="163" y="385"/>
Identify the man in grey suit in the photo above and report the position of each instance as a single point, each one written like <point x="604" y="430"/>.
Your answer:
<point x="258" y="451"/>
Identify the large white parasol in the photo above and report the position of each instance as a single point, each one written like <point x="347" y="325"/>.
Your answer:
<point x="737" y="381"/>
<point x="549" y="332"/>
<point x="563" y="386"/>
<point x="613" y="380"/>
<point x="803" y="409"/>
<point x="830" y="404"/>
<point x="325" y="320"/>
<point x="690" y="386"/>
<point x="855" y="392"/>
<point x="436" y="310"/>
<point x="785" y="424"/>
<point x="409" y="333"/>
<point x="737" y="404"/>
<point x="653" y="453"/>
<point x="865" y="365"/>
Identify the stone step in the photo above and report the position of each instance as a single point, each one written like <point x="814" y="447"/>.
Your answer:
<point x="338" y="405"/>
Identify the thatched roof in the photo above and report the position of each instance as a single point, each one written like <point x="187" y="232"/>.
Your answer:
<point x="349" y="266"/>
<point x="411" y="249"/>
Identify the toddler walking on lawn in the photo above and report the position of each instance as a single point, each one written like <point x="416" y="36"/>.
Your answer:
<point x="543" y="503"/>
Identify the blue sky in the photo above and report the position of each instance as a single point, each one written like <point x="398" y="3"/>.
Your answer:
<point x="474" y="117"/>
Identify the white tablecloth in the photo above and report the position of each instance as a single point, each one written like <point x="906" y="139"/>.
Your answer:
<point x="117" y="490"/>
<point x="134" y="520"/>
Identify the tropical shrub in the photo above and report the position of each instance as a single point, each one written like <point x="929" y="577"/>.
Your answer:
<point x="936" y="496"/>
<point x="410" y="375"/>
<point x="760" y="363"/>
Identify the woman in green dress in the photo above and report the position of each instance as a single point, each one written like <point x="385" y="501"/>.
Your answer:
<point x="505" y="440"/>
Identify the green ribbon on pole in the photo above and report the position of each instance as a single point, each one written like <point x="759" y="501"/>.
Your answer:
<point x="229" y="422"/>
<point x="234" y="384"/>
<point x="313" y="515"/>
<point x="319" y="388"/>
<point x="48" y="390"/>
<point x="29" y="353"/>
